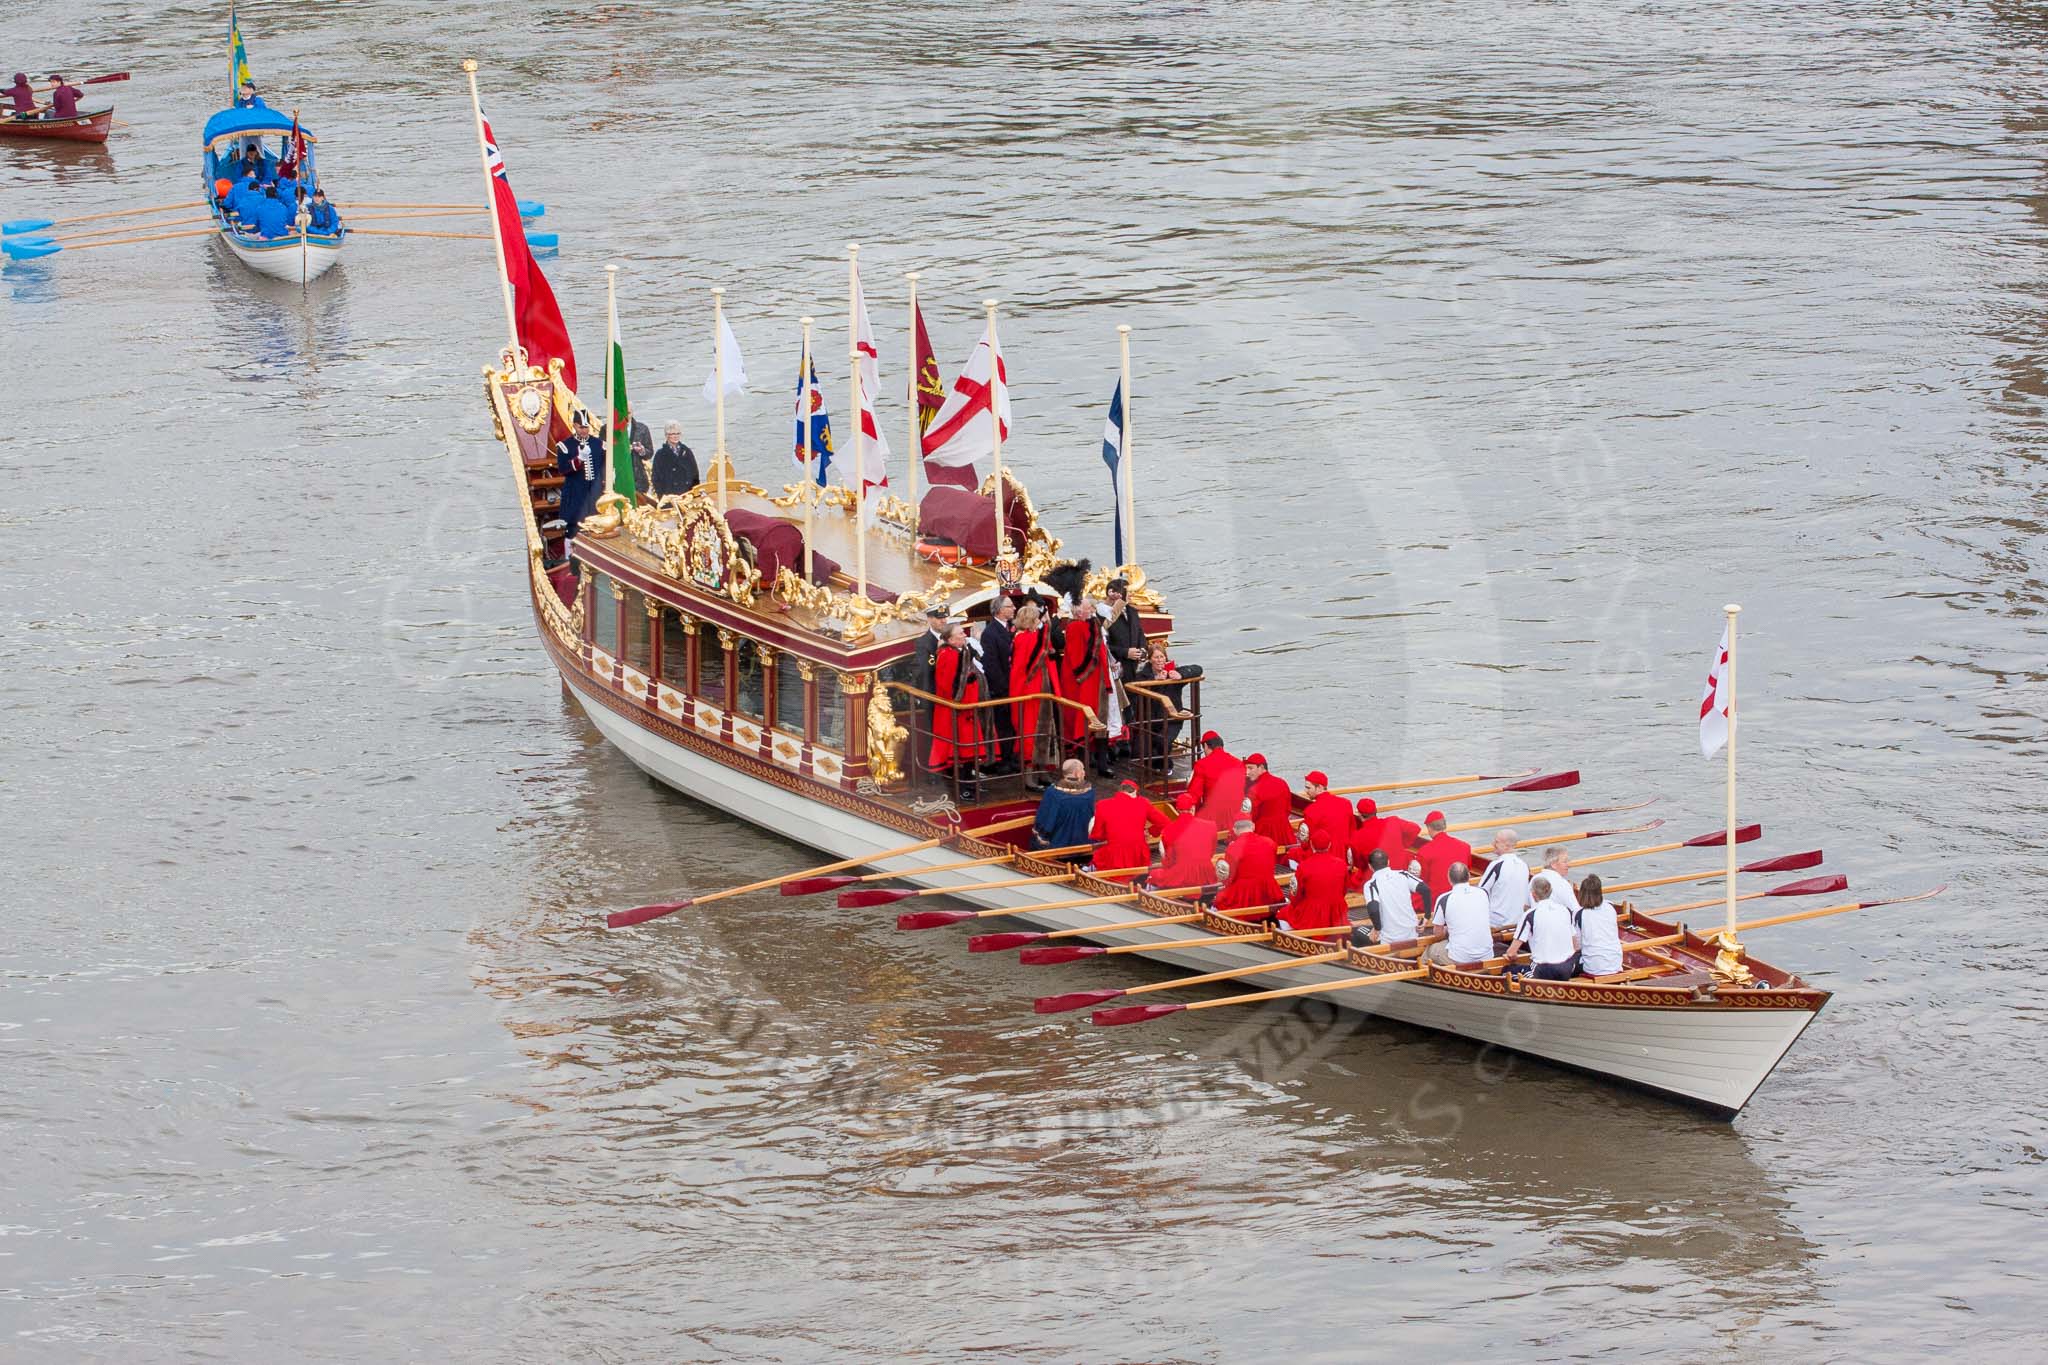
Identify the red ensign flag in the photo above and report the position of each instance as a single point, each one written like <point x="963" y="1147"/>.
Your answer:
<point x="541" y="329"/>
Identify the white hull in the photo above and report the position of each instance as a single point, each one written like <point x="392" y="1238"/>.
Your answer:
<point x="287" y="258"/>
<point x="1713" y="1057"/>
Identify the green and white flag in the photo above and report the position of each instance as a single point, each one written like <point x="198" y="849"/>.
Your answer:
<point x="623" y="480"/>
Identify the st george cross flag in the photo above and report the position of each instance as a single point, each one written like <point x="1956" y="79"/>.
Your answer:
<point x="871" y="451"/>
<point x="810" y="399"/>
<point x="963" y="433"/>
<point x="730" y="360"/>
<point x="1716" y="702"/>
<point x="541" y="329"/>
<point x="1113" y="456"/>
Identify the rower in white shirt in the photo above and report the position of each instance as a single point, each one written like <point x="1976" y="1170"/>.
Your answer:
<point x="1549" y="931"/>
<point x="1599" y="930"/>
<point x="1506" y="884"/>
<point x="1462" y="912"/>
<point x="1394" y="892"/>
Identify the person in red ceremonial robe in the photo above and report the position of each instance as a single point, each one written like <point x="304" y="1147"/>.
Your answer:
<point x="1078" y="673"/>
<point x="1272" y="802"/>
<point x="956" y="734"/>
<point x="1327" y="811"/>
<point x="1437" y="855"/>
<point x="1030" y="674"/>
<point x="1388" y="832"/>
<point x="1318" y="901"/>
<point x="1251" y="858"/>
<point x="1123" y="826"/>
<point x="1218" y="782"/>
<point x="1187" y="848"/>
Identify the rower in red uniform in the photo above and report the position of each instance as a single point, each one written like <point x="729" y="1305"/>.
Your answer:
<point x="1122" y="825"/>
<point x="1327" y="811"/>
<point x="1271" y="801"/>
<point x="1217" y="782"/>
<point x="1318" y="901"/>
<point x="1437" y="855"/>
<point x="1251" y="858"/>
<point x="1389" y="832"/>
<point x="1188" y="848"/>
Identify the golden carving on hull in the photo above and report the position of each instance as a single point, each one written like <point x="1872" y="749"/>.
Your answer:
<point x="1141" y="596"/>
<point x="1728" y="961"/>
<point x="694" y="543"/>
<point x="885" y="739"/>
<point x="607" y="520"/>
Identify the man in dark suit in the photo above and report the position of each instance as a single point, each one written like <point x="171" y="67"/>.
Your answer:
<point x="640" y="441"/>
<point x="1126" y="632"/>
<point x="996" y="641"/>
<point x="674" y="468"/>
<point x="924" y="676"/>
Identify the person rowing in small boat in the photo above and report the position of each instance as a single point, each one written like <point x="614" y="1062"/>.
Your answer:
<point x="64" y="98"/>
<point x="21" y="97"/>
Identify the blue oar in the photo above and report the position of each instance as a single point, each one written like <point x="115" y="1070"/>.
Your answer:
<point x="27" y="225"/>
<point x="27" y="249"/>
<point x="531" y="208"/>
<point x="538" y="239"/>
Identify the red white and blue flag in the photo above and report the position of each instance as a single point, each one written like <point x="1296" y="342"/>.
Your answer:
<point x="541" y="329"/>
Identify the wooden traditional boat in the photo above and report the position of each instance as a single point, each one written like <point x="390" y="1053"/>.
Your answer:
<point x="90" y="125"/>
<point x="300" y="256"/>
<point x="725" y="674"/>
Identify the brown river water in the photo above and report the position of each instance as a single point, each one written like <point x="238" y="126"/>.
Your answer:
<point x="1482" y="352"/>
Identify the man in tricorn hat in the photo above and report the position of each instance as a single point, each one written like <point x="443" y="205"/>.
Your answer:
<point x="579" y="459"/>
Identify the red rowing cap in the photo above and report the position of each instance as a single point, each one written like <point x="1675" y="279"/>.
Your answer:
<point x="1259" y="759"/>
<point x="1435" y="817"/>
<point x="1321" y="779"/>
<point x="1368" y="807"/>
<point x="1185" y="803"/>
<point x="1127" y="786"/>
<point x="1211" y="737"/>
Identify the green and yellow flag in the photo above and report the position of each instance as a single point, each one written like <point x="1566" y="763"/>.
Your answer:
<point x="238" y="60"/>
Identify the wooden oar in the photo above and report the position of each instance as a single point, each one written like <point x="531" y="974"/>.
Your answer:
<point x="1075" y="952"/>
<point x="1076" y="1000"/>
<point x="93" y="80"/>
<point x="417" y="232"/>
<point x="127" y="227"/>
<point x="1743" y="834"/>
<point x="996" y="943"/>
<point x="33" y="247"/>
<point x="1486" y="854"/>
<point x="1546" y="783"/>
<point x="811" y="886"/>
<point x="1540" y="816"/>
<point x="626" y="918"/>
<point x="866" y="896"/>
<point x="38" y="224"/>
<point x="1812" y="886"/>
<point x="356" y="217"/>
<point x="1132" y="1014"/>
<point x="1430" y="782"/>
<point x="939" y="919"/>
<point x="1788" y="862"/>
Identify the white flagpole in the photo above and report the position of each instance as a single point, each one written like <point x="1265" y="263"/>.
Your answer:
<point x="483" y="151"/>
<point x="611" y="402"/>
<point x="1732" y="609"/>
<point x="718" y="374"/>
<point x="916" y="456"/>
<point x="1124" y="455"/>
<point x="803" y="421"/>
<point x="860" y="476"/>
<point x="996" y="389"/>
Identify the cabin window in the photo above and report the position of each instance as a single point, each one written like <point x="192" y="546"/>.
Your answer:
<point x="604" y="614"/>
<point x="790" y="695"/>
<point x="675" y="651"/>
<point x="633" y="637"/>
<point x="711" y="667"/>
<point x="832" y="704"/>
<point x="750" y="694"/>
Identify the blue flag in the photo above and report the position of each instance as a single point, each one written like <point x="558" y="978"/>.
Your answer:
<point x="1113" y="456"/>
<point x="821" y="423"/>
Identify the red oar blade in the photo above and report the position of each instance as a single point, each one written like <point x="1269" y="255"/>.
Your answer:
<point x="996" y="943"/>
<point x="874" y="895"/>
<point x="102" y="80"/>
<point x="1073" y="1000"/>
<point x="932" y="919"/>
<point x="1790" y="862"/>
<point x="1743" y="834"/>
<point x="1812" y="886"/>
<point x="1131" y="1014"/>
<point x="1549" y="782"/>
<point x="811" y="886"/>
<point x="626" y="919"/>
<point x="1059" y="952"/>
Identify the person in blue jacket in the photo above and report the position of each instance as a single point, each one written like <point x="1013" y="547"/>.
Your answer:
<point x="273" y="219"/>
<point x="242" y="201"/>
<point x="325" y="220"/>
<point x="248" y="98"/>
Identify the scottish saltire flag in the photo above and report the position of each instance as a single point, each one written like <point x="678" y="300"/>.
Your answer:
<point x="238" y="60"/>
<point x="1113" y="456"/>
<point x="810" y="399"/>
